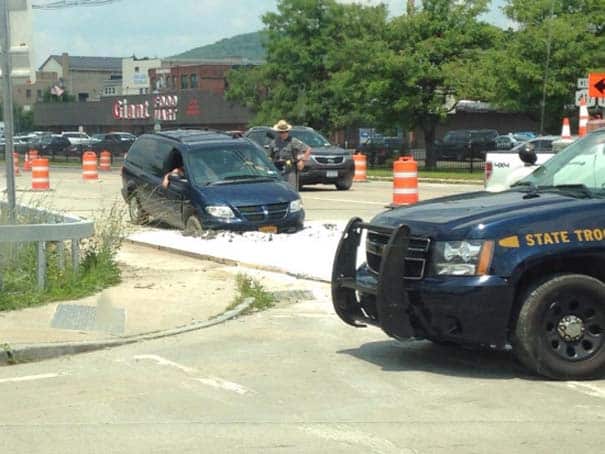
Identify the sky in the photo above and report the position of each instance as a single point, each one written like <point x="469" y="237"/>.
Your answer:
<point x="160" y="28"/>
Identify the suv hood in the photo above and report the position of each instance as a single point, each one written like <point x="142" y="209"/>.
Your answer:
<point x="248" y="193"/>
<point x="485" y="215"/>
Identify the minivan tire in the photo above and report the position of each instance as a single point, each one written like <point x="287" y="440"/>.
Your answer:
<point x="560" y="330"/>
<point x="135" y="211"/>
<point x="193" y="226"/>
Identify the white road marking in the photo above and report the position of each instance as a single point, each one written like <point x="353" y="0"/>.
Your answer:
<point x="224" y="385"/>
<point x="350" y="436"/>
<point x="28" y="378"/>
<point x="586" y="388"/>
<point x="362" y="202"/>
<point x="166" y="362"/>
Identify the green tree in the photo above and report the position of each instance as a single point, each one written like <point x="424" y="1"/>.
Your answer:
<point x="23" y="119"/>
<point x="315" y="48"/>
<point x="65" y="97"/>
<point x="432" y="55"/>
<point x="555" y="43"/>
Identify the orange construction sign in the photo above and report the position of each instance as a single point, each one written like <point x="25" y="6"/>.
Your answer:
<point x="596" y="85"/>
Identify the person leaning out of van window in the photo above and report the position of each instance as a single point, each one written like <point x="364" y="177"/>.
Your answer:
<point x="173" y="167"/>
<point x="287" y="152"/>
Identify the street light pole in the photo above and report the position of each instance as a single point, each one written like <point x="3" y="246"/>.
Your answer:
<point x="7" y="92"/>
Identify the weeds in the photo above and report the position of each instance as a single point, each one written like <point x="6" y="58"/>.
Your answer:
<point x="248" y="287"/>
<point x="98" y="267"/>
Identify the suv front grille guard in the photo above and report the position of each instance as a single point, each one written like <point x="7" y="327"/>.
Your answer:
<point x="392" y="302"/>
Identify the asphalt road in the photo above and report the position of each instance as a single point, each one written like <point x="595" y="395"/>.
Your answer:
<point x="322" y="202"/>
<point x="293" y="379"/>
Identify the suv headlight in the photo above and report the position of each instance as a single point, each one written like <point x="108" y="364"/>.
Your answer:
<point x="296" y="206"/>
<point x="462" y="258"/>
<point x="220" y="211"/>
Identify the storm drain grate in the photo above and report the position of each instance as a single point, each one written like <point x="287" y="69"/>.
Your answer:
<point x="89" y="318"/>
<point x="293" y="295"/>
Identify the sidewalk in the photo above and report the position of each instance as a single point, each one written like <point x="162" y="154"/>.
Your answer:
<point x="161" y="293"/>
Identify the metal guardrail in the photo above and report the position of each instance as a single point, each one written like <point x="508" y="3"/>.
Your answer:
<point x="47" y="227"/>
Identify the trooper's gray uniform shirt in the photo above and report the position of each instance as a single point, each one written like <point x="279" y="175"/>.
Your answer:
<point x="291" y="150"/>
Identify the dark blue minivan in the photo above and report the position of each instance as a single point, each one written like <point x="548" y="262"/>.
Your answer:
<point x="222" y="182"/>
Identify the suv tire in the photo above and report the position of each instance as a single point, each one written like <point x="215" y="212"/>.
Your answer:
<point x="344" y="184"/>
<point x="560" y="330"/>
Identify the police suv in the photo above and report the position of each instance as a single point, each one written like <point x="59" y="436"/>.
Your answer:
<point x="524" y="267"/>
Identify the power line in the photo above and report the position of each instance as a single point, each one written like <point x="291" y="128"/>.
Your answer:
<point x="73" y="3"/>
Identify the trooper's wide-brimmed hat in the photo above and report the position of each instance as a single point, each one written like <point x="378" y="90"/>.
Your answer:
<point x="282" y="126"/>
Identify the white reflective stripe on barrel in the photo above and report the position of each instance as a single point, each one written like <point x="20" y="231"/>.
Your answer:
<point x="405" y="174"/>
<point x="405" y="191"/>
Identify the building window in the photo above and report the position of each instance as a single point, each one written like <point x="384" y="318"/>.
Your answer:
<point x="193" y="80"/>
<point x="184" y="79"/>
<point x="173" y="84"/>
<point x="136" y="69"/>
<point x="82" y="97"/>
<point x="28" y="93"/>
<point x="39" y="94"/>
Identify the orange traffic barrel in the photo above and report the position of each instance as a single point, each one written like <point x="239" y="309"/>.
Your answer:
<point x="105" y="161"/>
<point x="405" y="181"/>
<point x="27" y="165"/>
<point x="40" y="175"/>
<point x="89" y="166"/>
<point x="16" y="170"/>
<point x="361" y="168"/>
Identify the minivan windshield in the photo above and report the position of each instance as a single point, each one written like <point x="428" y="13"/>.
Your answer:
<point x="225" y="164"/>
<point x="311" y="138"/>
<point x="580" y="167"/>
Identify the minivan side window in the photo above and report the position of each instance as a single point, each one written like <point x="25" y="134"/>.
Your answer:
<point x="140" y="152"/>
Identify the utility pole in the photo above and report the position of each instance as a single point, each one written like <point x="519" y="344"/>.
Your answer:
<point x="411" y="7"/>
<point x="7" y="92"/>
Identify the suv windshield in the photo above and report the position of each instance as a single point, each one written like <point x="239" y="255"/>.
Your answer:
<point x="580" y="165"/>
<point x="311" y="138"/>
<point x="224" y="164"/>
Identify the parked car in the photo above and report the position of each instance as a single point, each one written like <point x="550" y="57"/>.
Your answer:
<point x="226" y="183"/>
<point x="76" y="137"/>
<point x="506" y="142"/>
<point x="56" y="144"/>
<point x="329" y="164"/>
<point x="463" y="144"/>
<point x="117" y="143"/>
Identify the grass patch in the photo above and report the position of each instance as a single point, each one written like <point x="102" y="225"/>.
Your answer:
<point x="248" y="287"/>
<point x="98" y="267"/>
<point x="445" y="174"/>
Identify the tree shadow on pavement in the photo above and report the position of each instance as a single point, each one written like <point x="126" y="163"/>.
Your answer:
<point x="394" y="356"/>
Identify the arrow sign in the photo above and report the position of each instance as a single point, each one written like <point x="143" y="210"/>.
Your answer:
<point x="596" y="85"/>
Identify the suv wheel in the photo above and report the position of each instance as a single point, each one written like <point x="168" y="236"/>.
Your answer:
<point x="560" y="331"/>
<point x="136" y="212"/>
<point x="344" y="184"/>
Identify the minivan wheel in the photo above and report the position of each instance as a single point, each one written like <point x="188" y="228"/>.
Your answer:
<point x="135" y="211"/>
<point x="560" y="330"/>
<point x="193" y="226"/>
<point x="344" y="184"/>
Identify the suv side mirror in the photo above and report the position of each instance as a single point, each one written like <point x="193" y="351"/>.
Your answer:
<point x="528" y="155"/>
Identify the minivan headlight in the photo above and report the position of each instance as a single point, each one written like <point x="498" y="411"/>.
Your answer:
<point x="296" y="206"/>
<point x="220" y="211"/>
<point x="462" y="258"/>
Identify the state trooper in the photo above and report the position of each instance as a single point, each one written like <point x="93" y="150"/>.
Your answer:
<point x="288" y="153"/>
